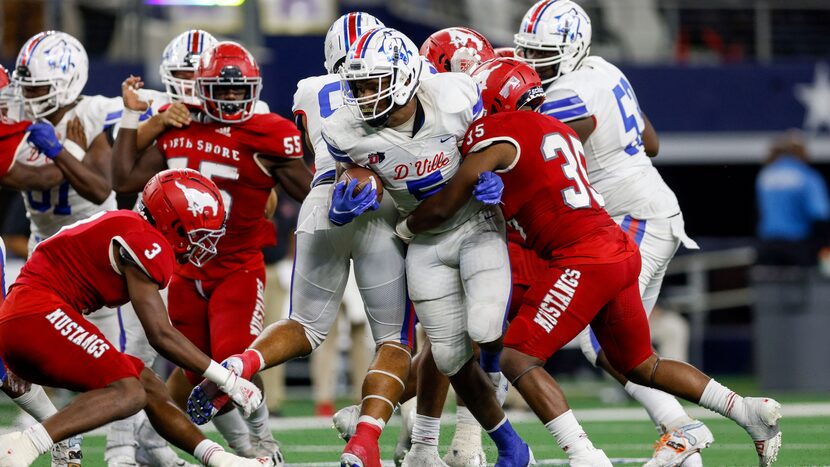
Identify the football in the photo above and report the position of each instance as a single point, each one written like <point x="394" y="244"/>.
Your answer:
<point x="364" y="176"/>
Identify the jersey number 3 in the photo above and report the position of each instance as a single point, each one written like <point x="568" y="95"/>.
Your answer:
<point x="555" y="146"/>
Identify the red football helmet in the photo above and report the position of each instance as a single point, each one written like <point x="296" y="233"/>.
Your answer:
<point x="457" y="49"/>
<point x="7" y="94"/>
<point x="187" y="208"/>
<point x="507" y="84"/>
<point x="227" y="68"/>
<point x="506" y="52"/>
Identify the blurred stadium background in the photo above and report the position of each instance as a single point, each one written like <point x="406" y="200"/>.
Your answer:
<point x="719" y="79"/>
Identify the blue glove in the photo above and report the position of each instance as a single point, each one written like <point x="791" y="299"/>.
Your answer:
<point x="489" y="188"/>
<point x="345" y="205"/>
<point x="42" y="136"/>
<point x="200" y="406"/>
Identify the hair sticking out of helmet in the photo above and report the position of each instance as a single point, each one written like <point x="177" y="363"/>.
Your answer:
<point x="187" y="208"/>
<point x="554" y="38"/>
<point x="228" y="82"/>
<point x="180" y="61"/>
<point x="457" y="50"/>
<point x="508" y="84"/>
<point x="343" y="32"/>
<point x="51" y="71"/>
<point x="381" y="73"/>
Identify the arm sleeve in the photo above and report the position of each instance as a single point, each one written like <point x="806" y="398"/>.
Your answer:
<point x="150" y="252"/>
<point x="565" y="105"/>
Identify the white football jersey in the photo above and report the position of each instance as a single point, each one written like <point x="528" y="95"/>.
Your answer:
<point x="317" y="98"/>
<point x="413" y="166"/>
<point x="618" y="166"/>
<point x="49" y="210"/>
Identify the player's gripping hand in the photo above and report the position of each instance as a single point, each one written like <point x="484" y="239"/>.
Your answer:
<point x="176" y="116"/>
<point x="345" y="205"/>
<point x="208" y="398"/>
<point x="43" y="137"/>
<point x="489" y="188"/>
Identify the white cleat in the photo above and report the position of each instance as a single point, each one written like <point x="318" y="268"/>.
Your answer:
<point x="422" y="455"/>
<point x="674" y="447"/>
<point x="68" y="453"/>
<point x="695" y="460"/>
<point x="465" y="450"/>
<point x="226" y="459"/>
<point x="345" y="421"/>
<point x="17" y="450"/>
<point x="763" y="414"/>
<point x="591" y="458"/>
<point x="121" y="461"/>
<point x="404" y="443"/>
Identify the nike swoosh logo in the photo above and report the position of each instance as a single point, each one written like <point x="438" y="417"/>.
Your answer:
<point x="444" y="140"/>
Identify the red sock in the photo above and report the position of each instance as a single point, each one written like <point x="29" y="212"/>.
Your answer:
<point x="368" y="429"/>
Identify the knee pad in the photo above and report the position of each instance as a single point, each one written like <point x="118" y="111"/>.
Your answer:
<point x="486" y="325"/>
<point x="315" y="337"/>
<point x="589" y="345"/>
<point x="449" y="359"/>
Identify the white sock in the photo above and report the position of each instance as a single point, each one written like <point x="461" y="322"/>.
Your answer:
<point x="258" y="423"/>
<point x="665" y="411"/>
<point x="40" y="438"/>
<point x="426" y="430"/>
<point x="463" y="416"/>
<point x="569" y="434"/>
<point x="36" y="403"/>
<point x="205" y="450"/>
<point x="234" y="430"/>
<point x="718" y="398"/>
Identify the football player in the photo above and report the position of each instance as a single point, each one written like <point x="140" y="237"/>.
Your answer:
<point x="219" y="307"/>
<point x="128" y="256"/>
<point x="593" y="266"/>
<point x="451" y="270"/>
<point x="594" y="98"/>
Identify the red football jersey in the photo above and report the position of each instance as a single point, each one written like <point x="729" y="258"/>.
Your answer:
<point x="547" y="197"/>
<point x="11" y="137"/>
<point x="228" y="154"/>
<point x="77" y="263"/>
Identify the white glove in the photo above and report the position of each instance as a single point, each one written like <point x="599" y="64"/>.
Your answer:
<point x="242" y="392"/>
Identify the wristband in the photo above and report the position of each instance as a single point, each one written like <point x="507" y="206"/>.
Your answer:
<point x="130" y="119"/>
<point x="403" y="231"/>
<point x="217" y="374"/>
<point x="74" y="149"/>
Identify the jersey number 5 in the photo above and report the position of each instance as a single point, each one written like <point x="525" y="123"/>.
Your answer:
<point x="554" y="146"/>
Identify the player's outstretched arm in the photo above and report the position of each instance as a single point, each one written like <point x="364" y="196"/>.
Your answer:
<point x="25" y="177"/>
<point x="441" y="206"/>
<point x="132" y="169"/>
<point x="651" y="143"/>
<point x="173" y="345"/>
<point x="293" y="175"/>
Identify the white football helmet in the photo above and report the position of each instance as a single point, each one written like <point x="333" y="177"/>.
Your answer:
<point x="182" y="54"/>
<point x="555" y="34"/>
<point x="54" y="59"/>
<point x="384" y="60"/>
<point x="342" y="34"/>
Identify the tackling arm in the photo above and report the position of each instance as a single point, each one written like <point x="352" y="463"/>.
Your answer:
<point x="292" y="175"/>
<point x="441" y="206"/>
<point x="90" y="178"/>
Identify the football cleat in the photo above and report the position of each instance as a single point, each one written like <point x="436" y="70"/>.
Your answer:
<point x="422" y="455"/>
<point x="17" y="450"/>
<point x="345" y="421"/>
<point x="674" y="447"/>
<point x="268" y="448"/>
<point x="520" y="456"/>
<point x="226" y="459"/>
<point x="695" y="460"/>
<point x="590" y="458"/>
<point x="465" y="450"/>
<point x="67" y="453"/>
<point x="763" y="415"/>
<point x="360" y="451"/>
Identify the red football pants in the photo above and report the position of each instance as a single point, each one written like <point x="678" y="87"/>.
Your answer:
<point x="607" y="296"/>
<point x="221" y="317"/>
<point x="46" y="342"/>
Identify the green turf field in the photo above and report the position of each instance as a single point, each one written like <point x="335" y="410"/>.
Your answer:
<point x="805" y="427"/>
